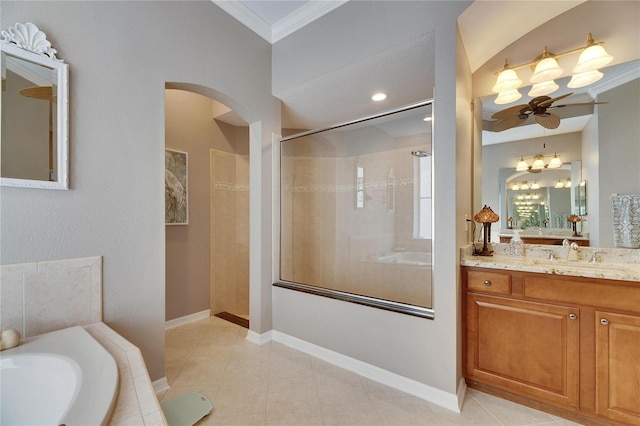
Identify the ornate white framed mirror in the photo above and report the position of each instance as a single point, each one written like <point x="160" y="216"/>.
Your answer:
<point x="35" y="111"/>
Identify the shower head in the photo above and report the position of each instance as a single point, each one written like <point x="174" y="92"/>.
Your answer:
<point x="420" y="153"/>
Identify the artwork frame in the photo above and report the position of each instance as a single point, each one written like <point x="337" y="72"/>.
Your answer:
<point x="176" y="187"/>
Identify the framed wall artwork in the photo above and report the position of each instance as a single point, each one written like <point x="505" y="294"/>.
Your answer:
<point x="176" y="206"/>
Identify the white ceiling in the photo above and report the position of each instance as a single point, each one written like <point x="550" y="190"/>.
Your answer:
<point x="491" y="31"/>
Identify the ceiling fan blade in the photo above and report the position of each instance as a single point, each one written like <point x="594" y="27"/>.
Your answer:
<point x="38" y="92"/>
<point x="509" y="112"/>
<point x="508" y="123"/>
<point x="579" y="103"/>
<point x="552" y="100"/>
<point x="549" y="121"/>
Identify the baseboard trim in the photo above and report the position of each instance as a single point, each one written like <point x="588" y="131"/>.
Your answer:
<point x="259" y="339"/>
<point x="452" y="402"/>
<point x="160" y="385"/>
<point x="187" y="319"/>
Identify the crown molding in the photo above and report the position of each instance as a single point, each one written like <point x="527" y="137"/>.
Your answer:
<point x="246" y="16"/>
<point x="630" y="74"/>
<point x="303" y="16"/>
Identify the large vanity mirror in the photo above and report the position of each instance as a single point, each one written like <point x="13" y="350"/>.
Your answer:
<point x="34" y="144"/>
<point x="599" y="160"/>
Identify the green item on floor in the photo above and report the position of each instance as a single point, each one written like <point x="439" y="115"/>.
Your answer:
<point x="187" y="409"/>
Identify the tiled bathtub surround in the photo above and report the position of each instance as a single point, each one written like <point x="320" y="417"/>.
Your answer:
<point x="39" y="297"/>
<point x="612" y="263"/>
<point x="137" y="403"/>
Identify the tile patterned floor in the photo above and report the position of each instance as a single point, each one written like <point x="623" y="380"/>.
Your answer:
<point x="273" y="384"/>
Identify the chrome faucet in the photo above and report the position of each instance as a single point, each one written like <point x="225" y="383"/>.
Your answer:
<point x="594" y="256"/>
<point x="552" y="255"/>
<point x="572" y="255"/>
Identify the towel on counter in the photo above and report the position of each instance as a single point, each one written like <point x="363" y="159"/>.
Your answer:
<point x="626" y="221"/>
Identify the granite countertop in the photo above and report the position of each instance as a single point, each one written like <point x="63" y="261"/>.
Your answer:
<point x="613" y="264"/>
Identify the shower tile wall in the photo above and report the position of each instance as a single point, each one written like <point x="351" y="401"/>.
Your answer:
<point x="229" y="233"/>
<point x="327" y="242"/>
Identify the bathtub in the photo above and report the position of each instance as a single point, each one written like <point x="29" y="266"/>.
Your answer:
<point x="60" y="378"/>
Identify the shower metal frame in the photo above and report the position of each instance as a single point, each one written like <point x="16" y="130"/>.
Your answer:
<point x="389" y="305"/>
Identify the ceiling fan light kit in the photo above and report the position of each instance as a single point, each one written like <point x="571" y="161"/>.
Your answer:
<point x="546" y="69"/>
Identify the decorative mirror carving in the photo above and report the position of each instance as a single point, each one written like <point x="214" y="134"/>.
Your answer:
<point x="35" y="111"/>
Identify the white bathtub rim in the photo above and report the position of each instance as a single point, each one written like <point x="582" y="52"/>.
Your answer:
<point x="98" y="366"/>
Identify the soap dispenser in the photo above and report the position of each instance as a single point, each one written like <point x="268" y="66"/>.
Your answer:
<point x="516" y="246"/>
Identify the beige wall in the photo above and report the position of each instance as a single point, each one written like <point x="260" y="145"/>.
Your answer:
<point x="207" y="261"/>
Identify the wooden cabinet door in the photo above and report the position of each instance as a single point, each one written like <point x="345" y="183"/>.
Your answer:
<point x="524" y="347"/>
<point x="618" y="366"/>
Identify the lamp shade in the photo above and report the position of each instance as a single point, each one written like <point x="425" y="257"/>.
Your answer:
<point x="535" y="185"/>
<point x="508" y="96"/>
<point x="546" y="69"/>
<point x="592" y="58"/>
<point x="524" y="185"/>
<point x="559" y="184"/>
<point x="574" y="218"/>
<point x="555" y="162"/>
<point x="538" y="164"/>
<point x="507" y="80"/>
<point x="544" y="88"/>
<point x="486" y="215"/>
<point x="522" y="166"/>
<point x="584" y="79"/>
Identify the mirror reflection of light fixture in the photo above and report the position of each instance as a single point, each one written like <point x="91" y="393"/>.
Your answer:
<point x="559" y="184"/>
<point x="524" y="186"/>
<point x="515" y="186"/>
<point x="545" y="69"/>
<point x="538" y="164"/>
<point x="486" y="216"/>
<point x="535" y="185"/>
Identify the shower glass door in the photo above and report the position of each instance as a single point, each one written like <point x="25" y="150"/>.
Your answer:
<point x="356" y="211"/>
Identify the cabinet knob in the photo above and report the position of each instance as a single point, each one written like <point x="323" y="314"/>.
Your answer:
<point x="572" y="316"/>
<point x="487" y="283"/>
<point x="604" y="321"/>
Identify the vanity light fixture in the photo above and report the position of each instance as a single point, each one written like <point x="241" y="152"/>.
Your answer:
<point x="524" y="186"/>
<point x="568" y="184"/>
<point x="545" y="69"/>
<point x="559" y="184"/>
<point x="515" y="186"/>
<point x="535" y="185"/>
<point x="377" y="97"/>
<point x="538" y="164"/>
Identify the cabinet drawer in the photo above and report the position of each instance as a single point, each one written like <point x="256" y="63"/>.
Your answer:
<point x="489" y="282"/>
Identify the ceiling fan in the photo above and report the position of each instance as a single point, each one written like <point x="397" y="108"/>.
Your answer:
<point x="538" y="106"/>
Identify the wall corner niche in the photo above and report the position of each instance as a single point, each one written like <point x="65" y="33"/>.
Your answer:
<point x="35" y="111"/>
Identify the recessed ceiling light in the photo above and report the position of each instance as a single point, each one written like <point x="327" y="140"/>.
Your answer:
<point x="427" y="118"/>
<point x="379" y="97"/>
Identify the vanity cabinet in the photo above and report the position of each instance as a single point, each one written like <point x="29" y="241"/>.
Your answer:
<point x="564" y="344"/>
